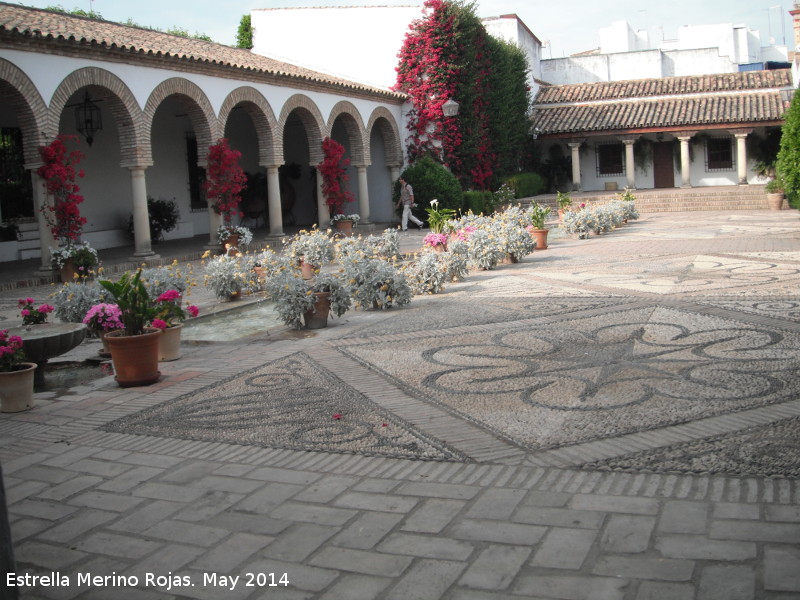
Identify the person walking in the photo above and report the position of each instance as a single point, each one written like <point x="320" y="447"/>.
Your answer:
<point x="407" y="200"/>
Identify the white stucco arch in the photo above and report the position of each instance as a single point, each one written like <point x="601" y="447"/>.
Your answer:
<point x="28" y="105"/>
<point x="260" y="112"/>
<point x="384" y="120"/>
<point x="198" y="107"/>
<point x="312" y="120"/>
<point x="121" y="103"/>
<point x="350" y="118"/>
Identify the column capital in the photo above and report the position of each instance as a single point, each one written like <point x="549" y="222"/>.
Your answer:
<point x="575" y="143"/>
<point x="684" y="135"/>
<point x="629" y="139"/>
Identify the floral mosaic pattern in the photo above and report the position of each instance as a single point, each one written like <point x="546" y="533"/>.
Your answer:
<point x="598" y="376"/>
<point x="290" y="403"/>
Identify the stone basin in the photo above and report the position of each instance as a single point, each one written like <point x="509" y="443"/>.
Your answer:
<point x="48" y="340"/>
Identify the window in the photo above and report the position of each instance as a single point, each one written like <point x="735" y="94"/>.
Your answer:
<point x="197" y="176"/>
<point x="719" y="154"/>
<point x="610" y="159"/>
<point x="16" y="191"/>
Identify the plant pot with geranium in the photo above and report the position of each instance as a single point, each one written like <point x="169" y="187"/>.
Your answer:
<point x="102" y="318"/>
<point x="135" y="347"/>
<point x="169" y="318"/>
<point x="225" y="181"/>
<point x="16" y="375"/>
<point x="333" y="170"/>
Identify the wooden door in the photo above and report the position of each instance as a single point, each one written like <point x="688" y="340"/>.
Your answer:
<point x="663" y="165"/>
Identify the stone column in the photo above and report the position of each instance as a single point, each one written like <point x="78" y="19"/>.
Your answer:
<point x="274" y="201"/>
<point x="576" y="164"/>
<point x="685" y="162"/>
<point x="141" y="219"/>
<point x="741" y="156"/>
<point x="46" y="239"/>
<point x="363" y="194"/>
<point x="214" y="223"/>
<point x="323" y="214"/>
<point x="630" y="165"/>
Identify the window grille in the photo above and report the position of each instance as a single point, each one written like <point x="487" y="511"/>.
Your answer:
<point x="610" y="159"/>
<point x="719" y="154"/>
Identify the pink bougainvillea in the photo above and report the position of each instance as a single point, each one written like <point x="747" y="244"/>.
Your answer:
<point x="334" y="176"/>
<point x="225" y="180"/>
<point x="59" y="172"/>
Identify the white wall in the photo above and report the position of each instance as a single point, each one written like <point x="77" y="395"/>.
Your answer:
<point x="511" y="29"/>
<point x="358" y="42"/>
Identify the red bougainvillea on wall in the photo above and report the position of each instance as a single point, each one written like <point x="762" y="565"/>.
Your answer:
<point x="225" y="180"/>
<point x="448" y="54"/>
<point x="334" y="176"/>
<point x="59" y="172"/>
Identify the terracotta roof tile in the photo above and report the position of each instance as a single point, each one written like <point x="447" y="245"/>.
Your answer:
<point x="49" y="25"/>
<point x="730" y="98"/>
<point x="674" y="112"/>
<point x="665" y="86"/>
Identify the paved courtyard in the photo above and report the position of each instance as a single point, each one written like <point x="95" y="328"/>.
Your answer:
<point x="611" y="418"/>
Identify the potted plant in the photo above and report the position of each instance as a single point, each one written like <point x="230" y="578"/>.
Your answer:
<point x="564" y="202"/>
<point x="311" y="250"/>
<point x="343" y="224"/>
<point x="158" y="280"/>
<point x="73" y="300"/>
<point x="299" y="301"/>
<point x="102" y="318"/>
<point x="438" y="217"/>
<point x="437" y="241"/>
<point x="775" y="192"/>
<point x="374" y="283"/>
<point x="226" y="276"/>
<point x="333" y="171"/>
<point x="134" y="348"/>
<point x="75" y="261"/>
<point x="537" y="214"/>
<point x="33" y="315"/>
<point x="164" y="216"/>
<point x="59" y="171"/>
<point x="16" y="375"/>
<point x="429" y="273"/>
<point x="233" y="236"/>
<point x="224" y="183"/>
<point x="169" y="319"/>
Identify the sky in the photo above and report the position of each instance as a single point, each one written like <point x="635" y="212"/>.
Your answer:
<point x="568" y="25"/>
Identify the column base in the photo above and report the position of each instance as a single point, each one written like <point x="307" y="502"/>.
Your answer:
<point x="144" y="256"/>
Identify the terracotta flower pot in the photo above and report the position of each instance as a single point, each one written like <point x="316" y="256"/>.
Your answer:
<point x="307" y="269"/>
<point x="16" y="388"/>
<point x="540" y="235"/>
<point x="169" y="344"/>
<point x="68" y="271"/>
<point x="775" y="201"/>
<point x="344" y="227"/>
<point x="318" y="318"/>
<point x="135" y="357"/>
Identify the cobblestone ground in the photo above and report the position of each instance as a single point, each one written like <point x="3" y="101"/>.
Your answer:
<point x="615" y="419"/>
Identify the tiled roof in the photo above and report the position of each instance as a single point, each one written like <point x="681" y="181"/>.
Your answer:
<point x="48" y="25"/>
<point x="665" y="86"/>
<point x="730" y="98"/>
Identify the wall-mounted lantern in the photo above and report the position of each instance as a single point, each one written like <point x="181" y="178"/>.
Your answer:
<point x="450" y="108"/>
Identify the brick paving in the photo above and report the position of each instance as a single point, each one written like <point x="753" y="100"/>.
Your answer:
<point x="116" y="515"/>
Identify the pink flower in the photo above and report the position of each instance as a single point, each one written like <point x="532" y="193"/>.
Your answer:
<point x="159" y="324"/>
<point x="45" y="308"/>
<point x="337" y="417"/>
<point x="193" y="310"/>
<point x="169" y="296"/>
<point x="25" y="312"/>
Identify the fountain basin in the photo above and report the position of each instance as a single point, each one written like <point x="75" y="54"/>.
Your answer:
<point x="48" y="340"/>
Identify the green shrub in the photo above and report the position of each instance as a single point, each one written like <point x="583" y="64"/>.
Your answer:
<point x="789" y="154"/>
<point x="479" y="202"/>
<point x="527" y="184"/>
<point x="431" y="181"/>
<point x="164" y="216"/>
